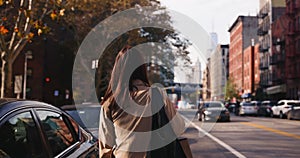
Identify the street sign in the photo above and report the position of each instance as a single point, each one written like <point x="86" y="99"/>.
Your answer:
<point x="56" y="93"/>
<point x="18" y="84"/>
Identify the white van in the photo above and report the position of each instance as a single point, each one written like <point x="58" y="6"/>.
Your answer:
<point x="282" y="107"/>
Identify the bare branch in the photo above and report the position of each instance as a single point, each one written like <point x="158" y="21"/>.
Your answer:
<point x="16" y="26"/>
<point x="26" y="28"/>
<point x="3" y="45"/>
<point x="44" y="10"/>
<point x="21" y="44"/>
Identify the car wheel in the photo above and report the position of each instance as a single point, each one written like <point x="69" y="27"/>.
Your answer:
<point x="281" y="115"/>
<point x="271" y="114"/>
<point x="203" y="117"/>
<point x="199" y="117"/>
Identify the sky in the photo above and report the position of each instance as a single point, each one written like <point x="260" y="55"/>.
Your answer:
<point x="214" y="15"/>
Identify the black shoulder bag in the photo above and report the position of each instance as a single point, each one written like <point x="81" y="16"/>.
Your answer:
<point x="173" y="149"/>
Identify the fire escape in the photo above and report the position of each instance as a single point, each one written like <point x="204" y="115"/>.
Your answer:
<point x="292" y="52"/>
<point x="262" y="32"/>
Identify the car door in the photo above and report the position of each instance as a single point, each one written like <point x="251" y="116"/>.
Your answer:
<point x="276" y="107"/>
<point x="64" y="136"/>
<point x="20" y="136"/>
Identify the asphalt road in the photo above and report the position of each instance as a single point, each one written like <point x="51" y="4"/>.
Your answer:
<point x="247" y="136"/>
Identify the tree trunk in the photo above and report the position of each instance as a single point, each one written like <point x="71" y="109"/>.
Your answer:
<point x="9" y="79"/>
<point x="3" y="59"/>
<point x="6" y="76"/>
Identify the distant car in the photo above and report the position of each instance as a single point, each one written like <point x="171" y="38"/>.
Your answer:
<point x="35" y="129"/>
<point x="214" y="111"/>
<point x="265" y="108"/>
<point x="182" y="104"/>
<point x="191" y="106"/>
<point x="294" y="113"/>
<point x="248" y="108"/>
<point x="86" y="114"/>
<point x="282" y="107"/>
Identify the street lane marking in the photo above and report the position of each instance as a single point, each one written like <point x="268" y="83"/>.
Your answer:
<point x="271" y="130"/>
<point x="226" y="146"/>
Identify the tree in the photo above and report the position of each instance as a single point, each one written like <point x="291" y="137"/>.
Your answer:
<point x="230" y="90"/>
<point x="80" y="19"/>
<point x="20" y="21"/>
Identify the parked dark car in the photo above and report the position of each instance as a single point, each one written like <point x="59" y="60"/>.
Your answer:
<point x="294" y="113"/>
<point x="32" y="129"/>
<point x="87" y="115"/>
<point x="215" y="111"/>
<point x="265" y="108"/>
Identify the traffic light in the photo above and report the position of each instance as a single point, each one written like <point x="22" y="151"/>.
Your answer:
<point x="47" y="79"/>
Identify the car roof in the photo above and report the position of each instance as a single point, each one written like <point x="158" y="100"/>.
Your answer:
<point x="79" y="106"/>
<point x="268" y="101"/>
<point x="9" y="104"/>
<point x="248" y="103"/>
<point x="288" y="101"/>
<point x="212" y="102"/>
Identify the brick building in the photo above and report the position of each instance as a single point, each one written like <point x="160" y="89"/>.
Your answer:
<point x="49" y="72"/>
<point x="292" y="48"/>
<point x="242" y="33"/>
<point x="206" y="91"/>
<point x="251" y="69"/>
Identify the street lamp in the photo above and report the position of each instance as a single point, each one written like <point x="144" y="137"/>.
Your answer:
<point x="28" y="55"/>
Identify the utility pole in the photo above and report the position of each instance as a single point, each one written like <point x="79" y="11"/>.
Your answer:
<point x="28" y="55"/>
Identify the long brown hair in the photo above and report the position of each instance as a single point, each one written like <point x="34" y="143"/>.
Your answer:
<point x="119" y="74"/>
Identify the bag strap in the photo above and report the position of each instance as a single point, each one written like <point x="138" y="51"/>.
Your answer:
<point x="159" y="120"/>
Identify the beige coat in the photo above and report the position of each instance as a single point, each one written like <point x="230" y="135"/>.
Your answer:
<point x="129" y="130"/>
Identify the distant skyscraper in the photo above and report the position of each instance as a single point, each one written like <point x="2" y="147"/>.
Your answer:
<point x="197" y="72"/>
<point x="214" y="38"/>
<point x="213" y="44"/>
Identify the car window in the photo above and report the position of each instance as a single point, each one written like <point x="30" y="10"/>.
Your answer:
<point x="213" y="105"/>
<point x="57" y="132"/>
<point x="247" y="104"/>
<point x="19" y="137"/>
<point x="74" y="114"/>
<point x="296" y="104"/>
<point x="86" y="117"/>
<point x="280" y="103"/>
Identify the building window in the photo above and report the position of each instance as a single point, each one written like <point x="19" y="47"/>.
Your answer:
<point x="298" y="45"/>
<point x="298" y="23"/>
<point x="29" y="72"/>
